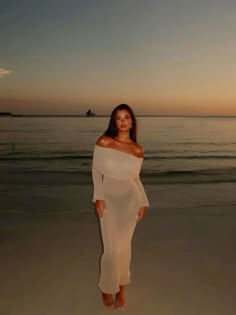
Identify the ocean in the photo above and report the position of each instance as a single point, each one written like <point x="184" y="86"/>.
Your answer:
<point x="177" y="149"/>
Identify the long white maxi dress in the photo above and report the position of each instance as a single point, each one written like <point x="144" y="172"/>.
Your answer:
<point x="116" y="180"/>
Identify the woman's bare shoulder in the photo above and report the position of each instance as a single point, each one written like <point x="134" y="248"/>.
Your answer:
<point x="104" y="141"/>
<point x="139" y="152"/>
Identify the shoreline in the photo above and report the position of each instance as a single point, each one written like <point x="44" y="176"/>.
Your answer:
<point x="26" y="196"/>
<point x="10" y="177"/>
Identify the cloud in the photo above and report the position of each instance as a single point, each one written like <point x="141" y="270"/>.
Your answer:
<point x="4" y="72"/>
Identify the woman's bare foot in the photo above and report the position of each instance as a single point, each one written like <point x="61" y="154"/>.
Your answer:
<point x="120" y="299"/>
<point x="107" y="300"/>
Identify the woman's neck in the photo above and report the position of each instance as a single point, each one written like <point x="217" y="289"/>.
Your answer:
<point x="123" y="138"/>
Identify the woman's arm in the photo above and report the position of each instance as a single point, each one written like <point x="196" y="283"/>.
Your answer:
<point x="98" y="195"/>
<point x="143" y="197"/>
<point x="144" y="200"/>
<point x="97" y="185"/>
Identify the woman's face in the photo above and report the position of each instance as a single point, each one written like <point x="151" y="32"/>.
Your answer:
<point x="123" y="120"/>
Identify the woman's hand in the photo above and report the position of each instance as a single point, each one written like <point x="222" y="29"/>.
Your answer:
<point x="100" y="206"/>
<point x="141" y="213"/>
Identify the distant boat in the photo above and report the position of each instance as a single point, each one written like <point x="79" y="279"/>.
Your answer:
<point x="90" y="113"/>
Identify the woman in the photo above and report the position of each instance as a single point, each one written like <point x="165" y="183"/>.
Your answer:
<point x="120" y="200"/>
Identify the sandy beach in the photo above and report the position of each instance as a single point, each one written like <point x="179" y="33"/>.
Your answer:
<point x="183" y="252"/>
<point x="114" y="90"/>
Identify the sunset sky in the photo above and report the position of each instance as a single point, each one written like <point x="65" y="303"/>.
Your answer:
<point x="169" y="57"/>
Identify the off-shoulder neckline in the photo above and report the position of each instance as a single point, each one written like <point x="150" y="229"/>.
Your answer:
<point x="137" y="157"/>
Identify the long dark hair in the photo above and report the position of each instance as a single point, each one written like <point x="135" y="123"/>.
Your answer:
<point x="112" y="130"/>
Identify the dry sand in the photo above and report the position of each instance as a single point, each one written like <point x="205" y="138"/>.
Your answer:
<point x="183" y="258"/>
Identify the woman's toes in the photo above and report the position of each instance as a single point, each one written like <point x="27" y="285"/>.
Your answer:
<point x="120" y="301"/>
<point x="107" y="300"/>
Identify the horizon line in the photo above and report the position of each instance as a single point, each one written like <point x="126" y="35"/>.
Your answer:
<point x="108" y="115"/>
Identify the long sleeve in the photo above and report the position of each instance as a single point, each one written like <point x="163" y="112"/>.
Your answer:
<point x="97" y="185"/>
<point x="143" y="196"/>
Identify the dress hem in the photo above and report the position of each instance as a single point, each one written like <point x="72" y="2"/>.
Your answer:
<point x="115" y="291"/>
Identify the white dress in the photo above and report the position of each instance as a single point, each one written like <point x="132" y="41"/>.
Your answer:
<point x="116" y="180"/>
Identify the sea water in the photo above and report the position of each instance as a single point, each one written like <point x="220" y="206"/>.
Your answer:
<point x="177" y="149"/>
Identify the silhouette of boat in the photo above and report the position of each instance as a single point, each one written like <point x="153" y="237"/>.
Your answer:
<point x="90" y="113"/>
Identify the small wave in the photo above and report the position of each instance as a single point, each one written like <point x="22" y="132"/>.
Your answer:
<point x="191" y="176"/>
<point x="46" y="158"/>
<point x="205" y="172"/>
<point x="12" y="211"/>
<point x="200" y="171"/>
<point x="66" y="212"/>
<point x="191" y="157"/>
<point x="89" y="157"/>
<point x="79" y="177"/>
<point x="86" y="210"/>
